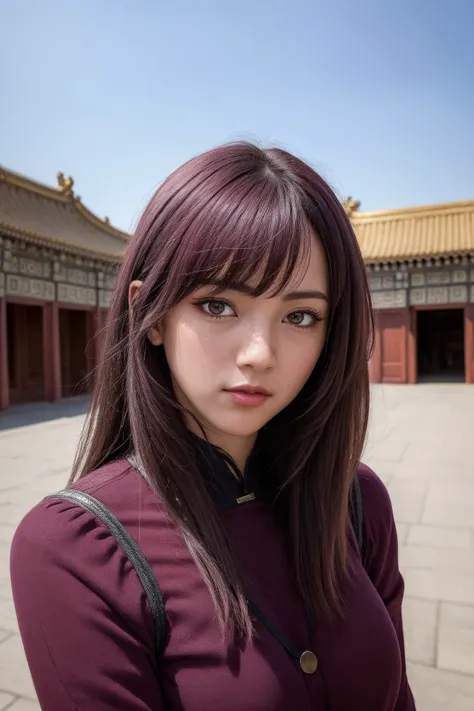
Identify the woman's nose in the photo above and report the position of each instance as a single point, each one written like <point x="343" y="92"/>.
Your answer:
<point x="257" y="352"/>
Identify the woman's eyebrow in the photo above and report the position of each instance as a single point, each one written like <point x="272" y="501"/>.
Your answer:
<point x="294" y="295"/>
<point x="217" y="285"/>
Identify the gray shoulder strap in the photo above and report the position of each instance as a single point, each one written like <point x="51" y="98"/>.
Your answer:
<point x="357" y="513"/>
<point x="133" y="553"/>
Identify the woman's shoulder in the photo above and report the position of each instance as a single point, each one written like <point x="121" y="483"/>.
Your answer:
<point x="376" y="503"/>
<point x="74" y="587"/>
<point x="55" y="523"/>
<point x="67" y="549"/>
<point x="373" y="489"/>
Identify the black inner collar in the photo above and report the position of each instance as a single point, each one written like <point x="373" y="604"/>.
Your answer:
<point x="226" y="482"/>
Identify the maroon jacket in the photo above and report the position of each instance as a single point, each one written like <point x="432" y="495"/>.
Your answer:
<point x="88" y="631"/>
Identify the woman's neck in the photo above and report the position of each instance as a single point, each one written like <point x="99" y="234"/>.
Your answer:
<point x="237" y="447"/>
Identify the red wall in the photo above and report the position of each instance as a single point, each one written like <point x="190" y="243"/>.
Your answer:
<point x="393" y="336"/>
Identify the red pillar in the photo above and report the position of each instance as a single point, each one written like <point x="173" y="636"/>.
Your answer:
<point x="375" y="364"/>
<point x="52" y="352"/>
<point x="412" y="348"/>
<point x="91" y="348"/>
<point x="4" y="383"/>
<point x="97" y="324"/>
<point x="101" y="326"/>
<point x="394" y="328"/>
<point x="469" y="342"/>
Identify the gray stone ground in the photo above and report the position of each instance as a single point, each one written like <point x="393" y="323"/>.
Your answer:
<point x="421" y="443"/>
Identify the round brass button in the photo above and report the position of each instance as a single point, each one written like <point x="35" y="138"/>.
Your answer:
<point x="308" y="662"/>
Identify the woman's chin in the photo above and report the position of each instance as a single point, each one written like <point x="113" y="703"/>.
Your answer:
<point x="247" y="426"/>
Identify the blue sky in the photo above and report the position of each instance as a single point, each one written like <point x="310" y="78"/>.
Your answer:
<point x="377" y="95"/>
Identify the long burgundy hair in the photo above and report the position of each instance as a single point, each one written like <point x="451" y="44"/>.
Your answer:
<point x="223" y="215"/>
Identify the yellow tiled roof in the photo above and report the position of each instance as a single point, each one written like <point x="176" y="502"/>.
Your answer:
<point x="56" y="215"/>
<point x="432" y="231"/>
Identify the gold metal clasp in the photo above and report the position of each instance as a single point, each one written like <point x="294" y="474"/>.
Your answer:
<point x="247" y="497"/>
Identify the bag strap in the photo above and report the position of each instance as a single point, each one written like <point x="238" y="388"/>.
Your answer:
<point x="132" y="551"/>
<point x="356" y="511"/>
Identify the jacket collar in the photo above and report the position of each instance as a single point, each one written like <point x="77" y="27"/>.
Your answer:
<point x="228" y="487"/>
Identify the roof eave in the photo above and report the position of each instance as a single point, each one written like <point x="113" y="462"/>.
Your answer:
<point x="465" y="257"/>
<point x="437" y="210"/>
<point x="50" y="243"/>
<point x="55" y="194"/>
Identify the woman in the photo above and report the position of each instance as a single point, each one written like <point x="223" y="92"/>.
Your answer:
<point x="225" y="432"/>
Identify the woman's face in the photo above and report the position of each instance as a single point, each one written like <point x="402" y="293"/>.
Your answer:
<point x="215" y="343"/>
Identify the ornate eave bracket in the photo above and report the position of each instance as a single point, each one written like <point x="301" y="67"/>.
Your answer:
<point x="65" y="185"/>
<point x="350" y="206"/>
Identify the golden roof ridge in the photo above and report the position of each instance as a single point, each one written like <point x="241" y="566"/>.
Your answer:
<point x="434" y="210"/>
<point x="63" y="194"/>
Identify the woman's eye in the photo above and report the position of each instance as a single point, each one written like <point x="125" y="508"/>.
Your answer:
<point x="216" y="308"/>
<point x="303" y="319"/>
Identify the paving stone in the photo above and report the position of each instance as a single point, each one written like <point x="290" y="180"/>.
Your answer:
<point x="385" y="449"/>
<point x="406" y="510"/>
<point x="407" y="472"/>
<point x="408" y="499"/>
<point x="456" y="638"/>
<point x="6" y="532"/>
<point x="25" y="705"/>
<point x="438" y="453"/>
<point x="411" y="489"/>
<point x="12" y="513"/>
<point x="402" y="532"/>
<point x="428" y="467"/>
<point x="446" y="514"/>
<point x="14" y="672"/>
<point x="459" y="560"/>
<point x="4" y="559"/>
<point x="6" y="485"/>
<point x="464" y="476"/>
<point x="459" y="492"/>
<point x="459" y="537"/>
<point x="439" y="690"/>
<point x="419" y="625"/>
<point x="5" y="700"/>
<point x="25" y="498"/>
<point x="4" y="634"/>
<point x="5" y="588"/>
<point x="440" y="585"/>
<point x="7" y="615"/>
<point x="435" y="471"/>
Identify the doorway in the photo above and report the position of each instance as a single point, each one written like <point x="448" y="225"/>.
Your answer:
<point x="73" y="343"/>
<point x="440" y="345"/>
<point x="25" y="353"/>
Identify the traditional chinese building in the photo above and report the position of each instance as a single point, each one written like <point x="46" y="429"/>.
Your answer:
<point x="420" y="264"/>
<point x="57" y="265"/>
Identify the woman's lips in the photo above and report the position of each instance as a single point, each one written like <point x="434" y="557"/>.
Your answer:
<point x="248" y="396"/>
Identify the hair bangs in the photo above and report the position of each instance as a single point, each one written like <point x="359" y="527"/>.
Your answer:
<point x="258" y="245"/>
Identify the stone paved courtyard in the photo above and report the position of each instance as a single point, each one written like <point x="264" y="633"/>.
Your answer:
<point x="421" y="443"/>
